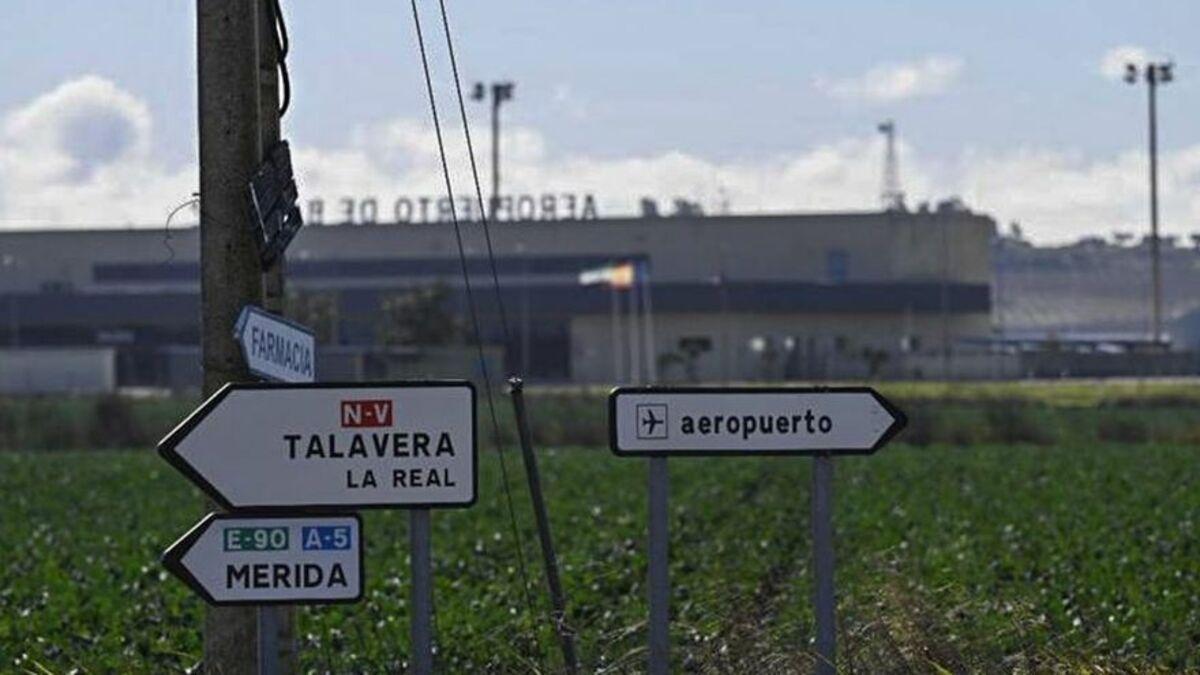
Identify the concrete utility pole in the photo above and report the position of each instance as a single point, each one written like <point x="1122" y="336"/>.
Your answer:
<point x="277" y="625"/>
<point x="230" y="277"/>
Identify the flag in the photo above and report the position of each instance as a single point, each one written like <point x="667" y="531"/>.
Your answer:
<point x="620" y="276"/>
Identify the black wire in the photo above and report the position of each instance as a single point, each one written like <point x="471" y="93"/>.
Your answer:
<point x="487" y="231"/>
<point x="281" y="34"/>
<point x="483" y="211"/>
<point x="281" y="50"/>
<point x="462" y="257"/>
<point x="166" y="240"/>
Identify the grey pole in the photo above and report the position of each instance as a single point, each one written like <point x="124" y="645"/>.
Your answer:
<point x="659" y="581"/>
<point x="230" y="277"/>
<point x="268" y="640"/>
<point x="495" y="153"/>
<point x="617" y="347"/>
<point x="566" y="635"/>
<point x="525" y="338"/>
<point x="278" y="652"/>
<point x="824" y="600"/>
<point x="14" y="330"/>
<point x="421" y="609"/>
<point x="650" y="350"/>
<point x="725" y="355"/>
<point x="945" y="296"/>
<point x="1155" y="259"/>
<point x="635" y="349"/>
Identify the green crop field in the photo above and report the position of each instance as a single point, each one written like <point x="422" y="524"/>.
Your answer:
<point x="1000" y="557"/>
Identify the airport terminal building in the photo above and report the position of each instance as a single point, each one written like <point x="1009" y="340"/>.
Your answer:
<point x="799" y="297"/>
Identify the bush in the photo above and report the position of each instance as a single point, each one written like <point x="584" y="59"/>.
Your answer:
<point x="1123" y="429"/>
<point x="50" y="425"/>
<point x="113" y="424"/>
<point x="10" y="425"/>
<point x="920" y="428"/>
<point x="1011" y="421"/>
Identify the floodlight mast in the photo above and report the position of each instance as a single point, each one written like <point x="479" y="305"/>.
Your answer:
<point x="501" y="92"/>
<point x="890" y="196"/>
<point x="1153" y="74"/>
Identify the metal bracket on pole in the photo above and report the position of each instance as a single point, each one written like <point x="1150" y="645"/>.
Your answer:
<point x="566" y="635"/>
<point x="421" y="609"/>
<point x="659" y="582"/>
<point x="824" y="600"/>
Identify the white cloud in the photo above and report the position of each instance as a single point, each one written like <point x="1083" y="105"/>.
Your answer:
<point x="1061" y="196"/>
<point x="1112" y="64"/>
<point x="897" y="81"/>
<point x="83" y="154"/>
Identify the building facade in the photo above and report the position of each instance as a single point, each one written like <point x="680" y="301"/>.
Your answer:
<point x="810" y="296"/>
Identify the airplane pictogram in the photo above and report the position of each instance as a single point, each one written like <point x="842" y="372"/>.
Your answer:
<point x="652" y="421"/>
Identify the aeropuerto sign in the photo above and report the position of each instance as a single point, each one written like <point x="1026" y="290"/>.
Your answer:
<point x="331" y="446"/>
<point x="781" y="420"/>
<point x="275" y="349"/>
<point x="231" y="559"/>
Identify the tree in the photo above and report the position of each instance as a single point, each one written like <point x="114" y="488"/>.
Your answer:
<point x="316" y="310"/>
<point x="875" y="360"/>
<point x="419" y="316"/>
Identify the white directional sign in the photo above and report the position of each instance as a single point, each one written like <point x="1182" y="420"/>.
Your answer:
<point x="331" y="446"/>
<point x="236" y="559"/>
<point x="701" y="421"/>
<point x="275" y="349"/>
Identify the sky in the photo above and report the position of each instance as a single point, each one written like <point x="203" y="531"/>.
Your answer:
<point x="1017" y="108"/>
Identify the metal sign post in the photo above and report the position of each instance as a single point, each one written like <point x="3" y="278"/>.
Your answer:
<point x="558" y="602"/>
<point x="268" y="640"/>
<point x="658" y="581"/>
<point x="421" y="615"/>
<point x="331" y="446"/>
<point x="659" y="422"/>
<point x="824" y="601"/>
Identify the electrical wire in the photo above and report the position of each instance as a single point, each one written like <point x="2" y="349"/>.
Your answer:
<point x="487" y="230"/>
<point x="282" y="44"/>
<point x="473" y="310"/>
<point x="483" y="211"/>
<point x="166" y="240"/>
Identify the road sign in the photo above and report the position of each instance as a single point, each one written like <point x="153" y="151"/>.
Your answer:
<point x="232" y="559"/>
<point x="275" y="349"/>
<point x="781" y="420"/>
<point x="273" y="196"/>
<point x="331" y="446"/>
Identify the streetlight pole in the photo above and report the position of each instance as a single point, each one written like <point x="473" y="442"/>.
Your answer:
<point x="501" y="92"/>
<point x="1154" y="74"/>
<point x="14" y="328"/>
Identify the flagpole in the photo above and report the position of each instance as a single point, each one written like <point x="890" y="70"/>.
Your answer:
<point x="648" y="319"/>
<point x="618" y="361"/>
<point x="635" y="351"/>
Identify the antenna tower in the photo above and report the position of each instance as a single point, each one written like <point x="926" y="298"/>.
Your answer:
<point x="891" y="196"/>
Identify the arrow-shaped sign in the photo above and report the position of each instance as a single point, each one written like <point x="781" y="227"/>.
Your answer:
<point x="331" y="446"/>
<point x="783" y="420"/>
<point x="275" y="349"/>
<point x="231" y="559"/>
